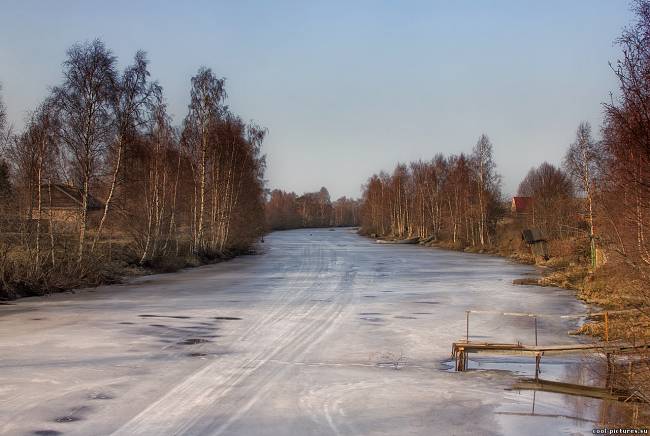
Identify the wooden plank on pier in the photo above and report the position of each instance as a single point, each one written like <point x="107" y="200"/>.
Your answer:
<point x="561" y="316"/>
<point x="501" y="348"/>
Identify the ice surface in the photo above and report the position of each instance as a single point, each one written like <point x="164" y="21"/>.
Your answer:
<point x="324" y="333"/>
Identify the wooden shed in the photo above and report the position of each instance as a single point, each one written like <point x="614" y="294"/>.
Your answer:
<point x="536" y="241"/>
<point x="63" y="203"/>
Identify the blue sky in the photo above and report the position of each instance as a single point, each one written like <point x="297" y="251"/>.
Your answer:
<point x="349" y="88"/>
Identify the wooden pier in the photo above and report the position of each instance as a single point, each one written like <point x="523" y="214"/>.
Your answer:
<point x="462" y="348"/>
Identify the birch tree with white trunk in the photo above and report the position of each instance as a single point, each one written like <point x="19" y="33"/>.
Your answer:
<point x="84" y="103"/>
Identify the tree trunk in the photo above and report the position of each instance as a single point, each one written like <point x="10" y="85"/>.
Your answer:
<point x="202" y="189"/>
<point x="51" y="222"/>
<point x="110" y="195"/>
<point x="39" y="172"/>
<point x="84" y="219"/>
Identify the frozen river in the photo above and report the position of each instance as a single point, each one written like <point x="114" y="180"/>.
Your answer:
<point x="303" y="339"/>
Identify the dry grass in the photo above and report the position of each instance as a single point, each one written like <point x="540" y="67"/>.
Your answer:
<point x="20" y="276"/>
<point x="111" y="262"/>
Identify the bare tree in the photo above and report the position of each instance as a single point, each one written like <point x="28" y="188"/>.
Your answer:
<point x="207" y="95"/>
<point x="582" y="162"/>
<point x="160" y="142"/>
<point x="487" y="181"/>
<point x="85" y="106"/>
<point x="627" y="140"/>
<point x="132" y="97"/>
<point x="553" y="193"/>
<point x="41" y="138"/>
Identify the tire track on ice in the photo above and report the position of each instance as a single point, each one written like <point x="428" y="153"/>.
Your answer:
<point x="189" y="407"/>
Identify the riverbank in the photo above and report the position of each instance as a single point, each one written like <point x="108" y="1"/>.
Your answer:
<point x="17" y="280"/>
<point x="609" y="287"/>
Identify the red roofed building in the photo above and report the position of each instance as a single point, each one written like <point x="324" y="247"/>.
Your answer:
<point x="521" y="204"/>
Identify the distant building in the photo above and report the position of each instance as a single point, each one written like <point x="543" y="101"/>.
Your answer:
<point x="521" y="204"/>
<point x="64" y="203"/>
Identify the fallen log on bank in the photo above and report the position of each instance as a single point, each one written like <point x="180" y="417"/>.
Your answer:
<point x="398" y="241"/>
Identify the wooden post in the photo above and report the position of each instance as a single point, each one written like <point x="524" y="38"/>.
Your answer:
<point x="535" y="330"/>
<point x="538" y="361"/>
<point x="629" y="373"/>
<point x="606" y="326"/>
<point x="608" y="382"/>
<point x="534" y="392"/>
<point x="460" y="357"/>
<point x="604" y="413"/>
<point x="467" y="326"/>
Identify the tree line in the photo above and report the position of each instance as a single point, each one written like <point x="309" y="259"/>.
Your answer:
<point x="455" y="198"/>
<point x="286" y="210"/>
<point x="142" y="190"/>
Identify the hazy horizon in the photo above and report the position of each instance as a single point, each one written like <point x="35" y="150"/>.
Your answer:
<point x="356" y="88"/>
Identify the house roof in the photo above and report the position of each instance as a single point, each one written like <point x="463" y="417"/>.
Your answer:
<point x="521" y="204"/>
<point x="67" y="197"/>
